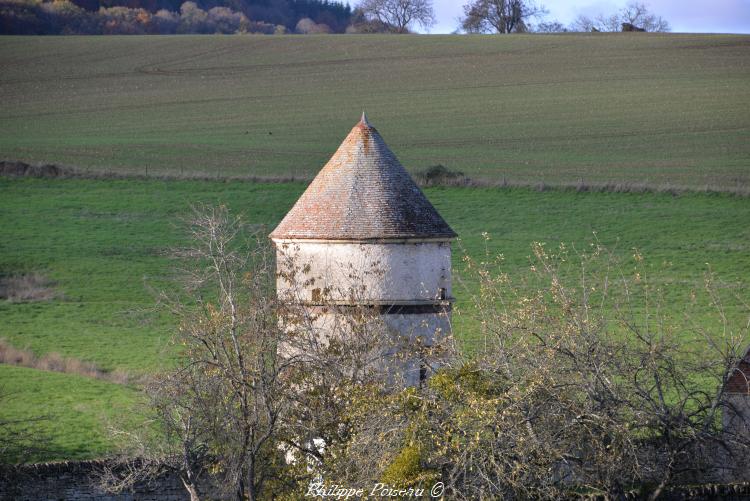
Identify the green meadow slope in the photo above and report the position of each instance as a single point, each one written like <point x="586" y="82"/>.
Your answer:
<point x="658" y="109"/>
<point x="104" y="243"/>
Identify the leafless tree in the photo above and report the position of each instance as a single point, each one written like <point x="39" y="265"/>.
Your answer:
<point x="400" y="14"/>
<point x="549" y="27"/>
<point x="221" y="407"/>
<point x="584" y="24"/>
<point x="600" y="383"/>
<point x="261" y="387"/>
<point x="181" y="449"/>
<point x="499" y="16"/>
<point x="232" y="375"/>
<point x="635" y="14"/>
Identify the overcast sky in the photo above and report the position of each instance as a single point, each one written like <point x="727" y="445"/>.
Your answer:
<point x="694" y="16"/>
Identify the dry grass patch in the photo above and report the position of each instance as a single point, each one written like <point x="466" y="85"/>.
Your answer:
<point x="435" y="175"/>
<point x="27" y="287"/>
<point x="54" y="362"/>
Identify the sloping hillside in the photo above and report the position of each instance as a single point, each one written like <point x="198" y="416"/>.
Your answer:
<point x="609" y="108"/>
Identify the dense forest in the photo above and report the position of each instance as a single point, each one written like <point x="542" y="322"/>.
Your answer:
<point x="37" y="17"/>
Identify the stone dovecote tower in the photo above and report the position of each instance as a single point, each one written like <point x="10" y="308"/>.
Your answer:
<point x="364" y="235"/>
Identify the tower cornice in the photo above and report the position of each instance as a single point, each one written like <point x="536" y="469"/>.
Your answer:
<point x="415" y="240"/>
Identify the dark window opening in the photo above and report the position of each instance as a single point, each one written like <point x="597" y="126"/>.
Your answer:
<point x="422" y="373"/>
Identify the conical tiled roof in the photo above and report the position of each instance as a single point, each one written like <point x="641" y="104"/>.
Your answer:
<point x="363" y="193"/>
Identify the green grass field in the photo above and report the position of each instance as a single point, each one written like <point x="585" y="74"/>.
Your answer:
<point x="74" y="412"/>
<point x="657" y="110"/>
<point x="104" y="243"/>
<point x="620" y="108"/>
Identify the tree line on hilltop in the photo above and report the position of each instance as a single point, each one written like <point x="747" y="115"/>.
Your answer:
<point x="65" y="17"/>
<point x="89" y="17"/>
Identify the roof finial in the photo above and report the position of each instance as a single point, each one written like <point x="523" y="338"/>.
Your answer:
<point x="363" y="120"/>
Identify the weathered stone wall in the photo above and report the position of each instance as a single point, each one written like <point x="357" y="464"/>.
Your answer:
<point x="376" y="273"/>
<point x="406" y="284"/>
<point x="428" y="327"/>
<point x="736" y="423"/>
<point x="76" y="481"/>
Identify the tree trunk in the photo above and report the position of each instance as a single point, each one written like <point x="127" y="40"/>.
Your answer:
<point x="241" y="491"/>
<point x="191" y="490"/>
<point x="251" y="494"/>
